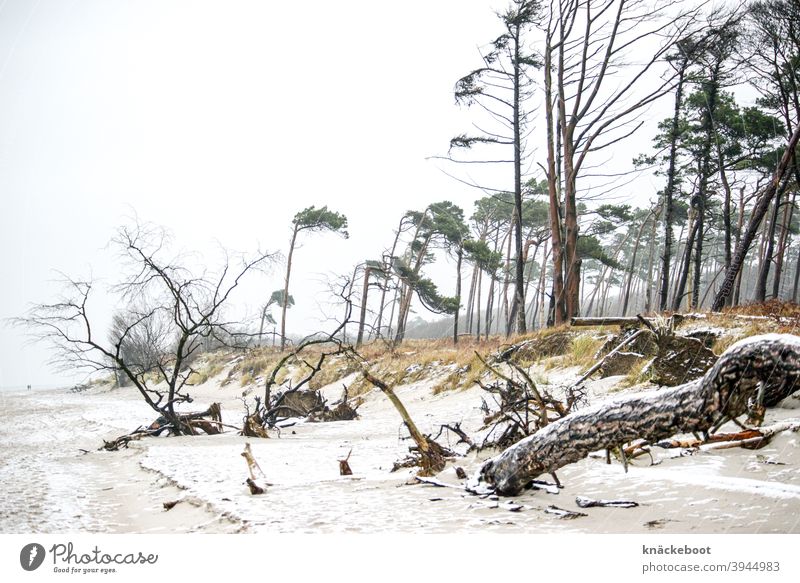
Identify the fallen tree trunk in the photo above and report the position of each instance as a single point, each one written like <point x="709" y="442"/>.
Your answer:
<point x="602" y="321"/>
<point x="630" y="321"/>
<point x="759" y="371"/>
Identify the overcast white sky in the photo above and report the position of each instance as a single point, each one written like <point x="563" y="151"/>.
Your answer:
<point x="219" y="120"/>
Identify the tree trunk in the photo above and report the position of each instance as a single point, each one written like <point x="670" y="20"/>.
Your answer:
<point x="507" y="279"/>
<point x="408" y="296"/>
<point x="669" y="191"/>
<point x="387" y="275"/>
<point x="780" y="259"/>
<point x="771" y="362"/>
<point x="632" y="266"/>
<point x="763" y="273"/>
<point x="363" y="315"/>
<point x="460" y="255"/>
<point x="540" y="313"/>
<point x="560" y="315"/>
<point x="755" y="221"/>
<point x="478" y="307"/>
<point x="286" y="288"/>
<point x="648" y="296"/>
<point x="796" y="279"/>
<point x="471" y="298"/>
<point x="685" y="265"/>
<point x="519" y="291"/>
<point x="734" y="299"/>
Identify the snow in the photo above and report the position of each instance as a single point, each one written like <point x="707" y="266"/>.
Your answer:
<point x="51" y="486"/>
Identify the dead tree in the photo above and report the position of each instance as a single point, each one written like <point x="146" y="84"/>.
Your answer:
<point x="171" y="310"/>
<point x="753" y="373"/>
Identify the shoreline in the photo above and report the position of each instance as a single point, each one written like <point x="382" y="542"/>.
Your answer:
<point x="52" y="486"/>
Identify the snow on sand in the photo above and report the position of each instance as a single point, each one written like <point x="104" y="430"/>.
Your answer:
<point x="51" y="485"/>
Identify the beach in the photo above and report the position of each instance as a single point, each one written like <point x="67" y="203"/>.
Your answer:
<point x="56" y="479"/>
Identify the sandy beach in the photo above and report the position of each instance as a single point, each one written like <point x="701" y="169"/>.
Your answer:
<point x="56" y="481"/>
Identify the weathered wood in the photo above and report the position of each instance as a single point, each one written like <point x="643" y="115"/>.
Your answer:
<point x="344" y="465"/>
<point x="631" y="321"/>
<point x="767" y="366"/>
<point x="584" y="502"/>
<point x="609" y="321"/>
<point x="431" y="457"/>
<point x="252" y="464"/>
<point x="602" y="361"/>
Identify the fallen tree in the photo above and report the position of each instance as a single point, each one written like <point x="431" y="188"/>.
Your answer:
<point x="752" y="374"/>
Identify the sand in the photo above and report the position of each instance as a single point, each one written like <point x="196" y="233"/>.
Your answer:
<point x="56" y="481"/>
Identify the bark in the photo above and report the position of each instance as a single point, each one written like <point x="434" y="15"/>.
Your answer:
<point x="387" y="274"/>
<point x="519" y="290"/>
<point x="762" y="366"/>
<point x="460" y="255"/>
<point x="363" y="315"/>
<point x="780" y="259"/>
<point x="766" y="264"/>
<point x="648" y="296"/>
<point x="632" y="266"/>
<point x="669" y="191"/>
<point x="552" y="189"/>
<point x="685" y="264"/>
<point x="286" y="287"/>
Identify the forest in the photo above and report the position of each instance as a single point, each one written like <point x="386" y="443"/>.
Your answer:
<point x="719" y="230"/>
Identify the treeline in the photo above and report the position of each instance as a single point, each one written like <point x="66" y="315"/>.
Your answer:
<point x="583" y="73"/>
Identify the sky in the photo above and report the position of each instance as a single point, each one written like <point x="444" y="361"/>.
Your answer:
<point x="219" y="121"/>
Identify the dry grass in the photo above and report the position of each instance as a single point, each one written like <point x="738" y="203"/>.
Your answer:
<point x="457" y="367"/>
<point x="638" y="375"/>
<point x="452" y="367"/>
<point x="252" y="364"/>
<point x="583" y="352"/>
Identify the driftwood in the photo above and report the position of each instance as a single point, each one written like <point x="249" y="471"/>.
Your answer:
<point x="427" y="454"/>
<point x="208" y="421"/>
<point x="253" y="423"/>
<point x="170" y="505"/>
<point x="564" y="514"/>
<point x="523" y="407"/>
<point x="616" y="321"/>
<point x="758" y="371"/>
<point x="599" y="364"/>
<point x="254" y="482"/>
<point x="344" y="466"/>
<point x="124" y="440"/>
<point x="631" y="321"/>
<point x="584" y="502"/>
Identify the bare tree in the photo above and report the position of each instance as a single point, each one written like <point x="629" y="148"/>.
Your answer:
<point x="589" y="108"/>
<point x="173" y="312"/>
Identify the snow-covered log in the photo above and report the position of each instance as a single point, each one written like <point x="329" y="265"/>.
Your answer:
<point x="761" y="370"/>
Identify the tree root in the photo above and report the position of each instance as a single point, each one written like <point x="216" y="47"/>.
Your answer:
<point x="430" y="461"/>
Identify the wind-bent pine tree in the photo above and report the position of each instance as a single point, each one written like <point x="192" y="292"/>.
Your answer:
<point x="500" y="88"/>
<point x="312" y="220"/>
